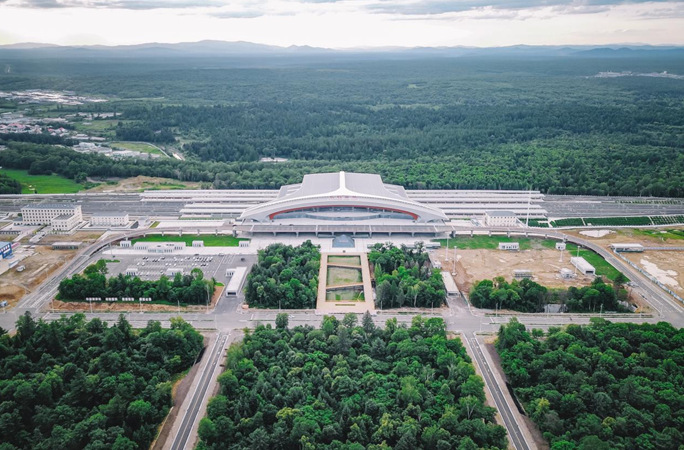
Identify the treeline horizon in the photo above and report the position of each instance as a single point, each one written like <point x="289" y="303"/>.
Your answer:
<point x="445" y="123"/>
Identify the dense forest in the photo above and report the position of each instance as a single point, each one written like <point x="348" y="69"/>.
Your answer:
<point x="405" y="277"/>
<point x="352" y="387"/>
<point x="284" y="277"/>
<point x="527" y="296"/>
<point x="191" y="289"/>
<point x="472" y="123"/>
<point x="73" y="384"/>
<point x="604" y="386"/>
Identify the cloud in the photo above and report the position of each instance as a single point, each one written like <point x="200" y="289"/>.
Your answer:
<point x="491" y="7"/>
<point x="118" y="4"/>
<point x="44" y="4"/>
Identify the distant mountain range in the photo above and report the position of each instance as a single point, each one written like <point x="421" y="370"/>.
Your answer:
<point x="247" y="49"/>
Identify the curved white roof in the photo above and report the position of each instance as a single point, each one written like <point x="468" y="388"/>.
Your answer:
<point x="342" y="189"/>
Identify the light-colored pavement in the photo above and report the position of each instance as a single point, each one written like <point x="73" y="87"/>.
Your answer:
<point x="195" y="405"/>
<point x="516" y="431"/>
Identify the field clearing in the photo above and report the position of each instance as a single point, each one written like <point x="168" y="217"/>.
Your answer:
<point x="97" y="126"/>
<point x="14" y="285"/>
<point x="663" y="260"/>
<point x="209" y="240"/>
<point x="353" y="295"/>
<point x="343" y="275"/>
<point x="42" y="184"/>
<point x="666" y="266"/>
<point x="474" y="265"/>
<point x="137" y="146"/>
<point x="346" y="260"/>
<point x="141" y="183"/>
<point x="492" y="242"/>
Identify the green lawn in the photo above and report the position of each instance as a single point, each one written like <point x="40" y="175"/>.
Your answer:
<point x="661" y="234"/>
<point x="345" y="294"/>
<point x="42" y="184"/>
<point x="486" y="242"/>
<point x="136" y="146"/>
<point x="209" y="240"/>
<point x="346" y="260"/>
<point x="343" y="275"/>
<point x="603" y="267"/>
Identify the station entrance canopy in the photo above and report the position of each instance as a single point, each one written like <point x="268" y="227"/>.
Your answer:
<point x="341" y="199"/>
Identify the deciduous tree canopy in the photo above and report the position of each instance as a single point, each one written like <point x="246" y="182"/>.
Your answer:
<point x="285" y="277"/>
<point x="350" y="387"/>
<point x="405" y="277"/>
<point x="602" y="386"/>
<point x="72" y="384"/>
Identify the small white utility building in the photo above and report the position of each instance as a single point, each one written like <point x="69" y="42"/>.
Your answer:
<point x="627" y="248"/>
<point x="510" y="246"/>
<point x="583" y="266"/>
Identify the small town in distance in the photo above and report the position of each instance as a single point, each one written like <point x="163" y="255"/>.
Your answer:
<point x="341" y="225"/>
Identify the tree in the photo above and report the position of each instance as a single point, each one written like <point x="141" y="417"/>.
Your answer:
<point x="367" y="323"/>
<point x="281" y="321"/>
<point x="349" y="320"/>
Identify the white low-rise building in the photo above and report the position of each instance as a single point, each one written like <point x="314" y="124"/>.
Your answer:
<point x="583" y="266"/>
<point x="515" y="246"/>
<point x="500" y="219"/>
<point x="627" y="248"/>
<point x="109" y="220"/>
<point x="43" y="214"/>
<point x="65" y="222"/>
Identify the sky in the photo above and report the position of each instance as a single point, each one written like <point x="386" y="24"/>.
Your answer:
<point x="344" y="23"/>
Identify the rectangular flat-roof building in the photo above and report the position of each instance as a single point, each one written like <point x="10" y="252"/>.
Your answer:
<point x="109" y="220"/>
<point x="520" y="274"/>
<point x="66" y="245"/>
<point x="237" y="279"/>
<point x="5" y="249"/>
<point x="627" y="248"/>
<point x="582" y="265"/>
<point x="449" y="283"/>
<point x="42" y="214"/>
<point x="500" y="219"/>
<point x="511" y="246"/>
<point x="65" y="222"/>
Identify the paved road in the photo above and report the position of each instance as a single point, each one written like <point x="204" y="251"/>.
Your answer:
<point x="190" y="417"/>
<point x="514" y="430"/>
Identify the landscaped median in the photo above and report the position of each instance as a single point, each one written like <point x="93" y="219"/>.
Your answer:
<point x="210" y="240"/>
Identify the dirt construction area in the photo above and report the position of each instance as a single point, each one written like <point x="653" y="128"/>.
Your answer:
<point x="481" y="264"/>
<point x="44" y="261"/>
<point x="665" y="265"/>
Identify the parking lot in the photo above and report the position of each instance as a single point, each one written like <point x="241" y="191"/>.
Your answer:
<point x="153" y="266"/>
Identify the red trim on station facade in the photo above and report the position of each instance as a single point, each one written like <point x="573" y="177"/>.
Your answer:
<point x="271" y="216"/>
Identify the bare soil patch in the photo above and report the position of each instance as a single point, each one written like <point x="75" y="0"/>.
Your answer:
<point x="664" y="260"/>
<point x="39" y="266"/>
<point x="671" y="262"/>
<point x="87" y="237"/>
<point x="480" y="264"/>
